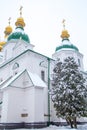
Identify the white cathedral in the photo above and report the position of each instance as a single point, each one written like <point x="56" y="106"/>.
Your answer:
<point x="25" y="79"/>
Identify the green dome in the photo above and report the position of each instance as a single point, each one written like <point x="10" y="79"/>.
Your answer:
<point x="19" y="34"/>
<point x="66" y="45"/>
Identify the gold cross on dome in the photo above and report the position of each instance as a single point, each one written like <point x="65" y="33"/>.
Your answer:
<point x="63" y="23"/>
<point x="9" y="20"/>
<point x="21" y="10"/>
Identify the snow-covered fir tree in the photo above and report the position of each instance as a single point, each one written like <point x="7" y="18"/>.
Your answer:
<point x="69" y="91"/>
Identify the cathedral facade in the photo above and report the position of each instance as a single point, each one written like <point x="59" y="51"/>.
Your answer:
<point x="25" y="78"/>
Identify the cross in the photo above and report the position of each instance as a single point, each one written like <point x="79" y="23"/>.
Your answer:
<point x="63" y="23"/>
<point x="9" y="20"/>
<point x="21" y="10"/>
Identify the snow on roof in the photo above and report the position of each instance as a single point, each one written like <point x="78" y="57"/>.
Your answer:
<point x="4" y="81"/>
<point x="12" y="79"/>
<point x="35" y="79"/>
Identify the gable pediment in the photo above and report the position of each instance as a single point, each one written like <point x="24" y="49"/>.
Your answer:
<point x="24" y="79"/>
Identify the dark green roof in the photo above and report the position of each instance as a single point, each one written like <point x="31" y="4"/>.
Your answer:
<point x="67" y="47"/>
<point x="19" y="34"/>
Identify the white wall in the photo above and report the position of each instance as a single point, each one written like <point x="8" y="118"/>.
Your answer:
<point x="13" y="102"/>
<point x="29" y="104"/>
<point x="18" y="101"/>
<point x="4" y="107"/>
<point x="39" y="104"/>
<point x="8" y="46"/>
<point x="63" y="53"/>
<point x="34" y="101"/>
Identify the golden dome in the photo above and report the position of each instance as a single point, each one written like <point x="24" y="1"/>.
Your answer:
<point x="20" y="22"/>
<point x="8" y="29"/>
<point x="1" y="47"/>
<point x="2" y="43"/>
<point x="65" y="34"/>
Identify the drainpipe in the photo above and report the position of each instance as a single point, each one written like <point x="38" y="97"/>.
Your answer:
<point x="48" y="91"/>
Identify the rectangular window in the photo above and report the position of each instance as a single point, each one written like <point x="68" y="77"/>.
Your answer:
<point x="43" y="75"/>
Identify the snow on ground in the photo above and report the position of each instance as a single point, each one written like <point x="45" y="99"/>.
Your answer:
<point x="53" y="127"/>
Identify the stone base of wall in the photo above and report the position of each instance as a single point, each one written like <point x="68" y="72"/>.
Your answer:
<point x="7" y="126"/>
<point x="22" y="125"/>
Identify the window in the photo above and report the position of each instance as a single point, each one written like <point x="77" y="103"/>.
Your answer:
<point x="15" y="66"/>
<point x="43" y="75"/>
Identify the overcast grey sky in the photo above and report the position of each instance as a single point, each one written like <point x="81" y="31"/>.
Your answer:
<point x="43" y="20"/>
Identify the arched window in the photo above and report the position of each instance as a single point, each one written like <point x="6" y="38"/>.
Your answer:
<point x="15" y="68"/>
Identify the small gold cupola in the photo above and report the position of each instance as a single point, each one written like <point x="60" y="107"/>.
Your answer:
<point x="1" y="47"/>
<point x="8" y="29"/>
<point x="65" y="34"/>
<point x="20" y="21"/>
<point x="65" y="44"/>
<point x="19" y="32"/>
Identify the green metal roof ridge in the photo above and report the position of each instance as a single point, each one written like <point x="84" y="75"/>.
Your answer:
<point x="22" y="54"/>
